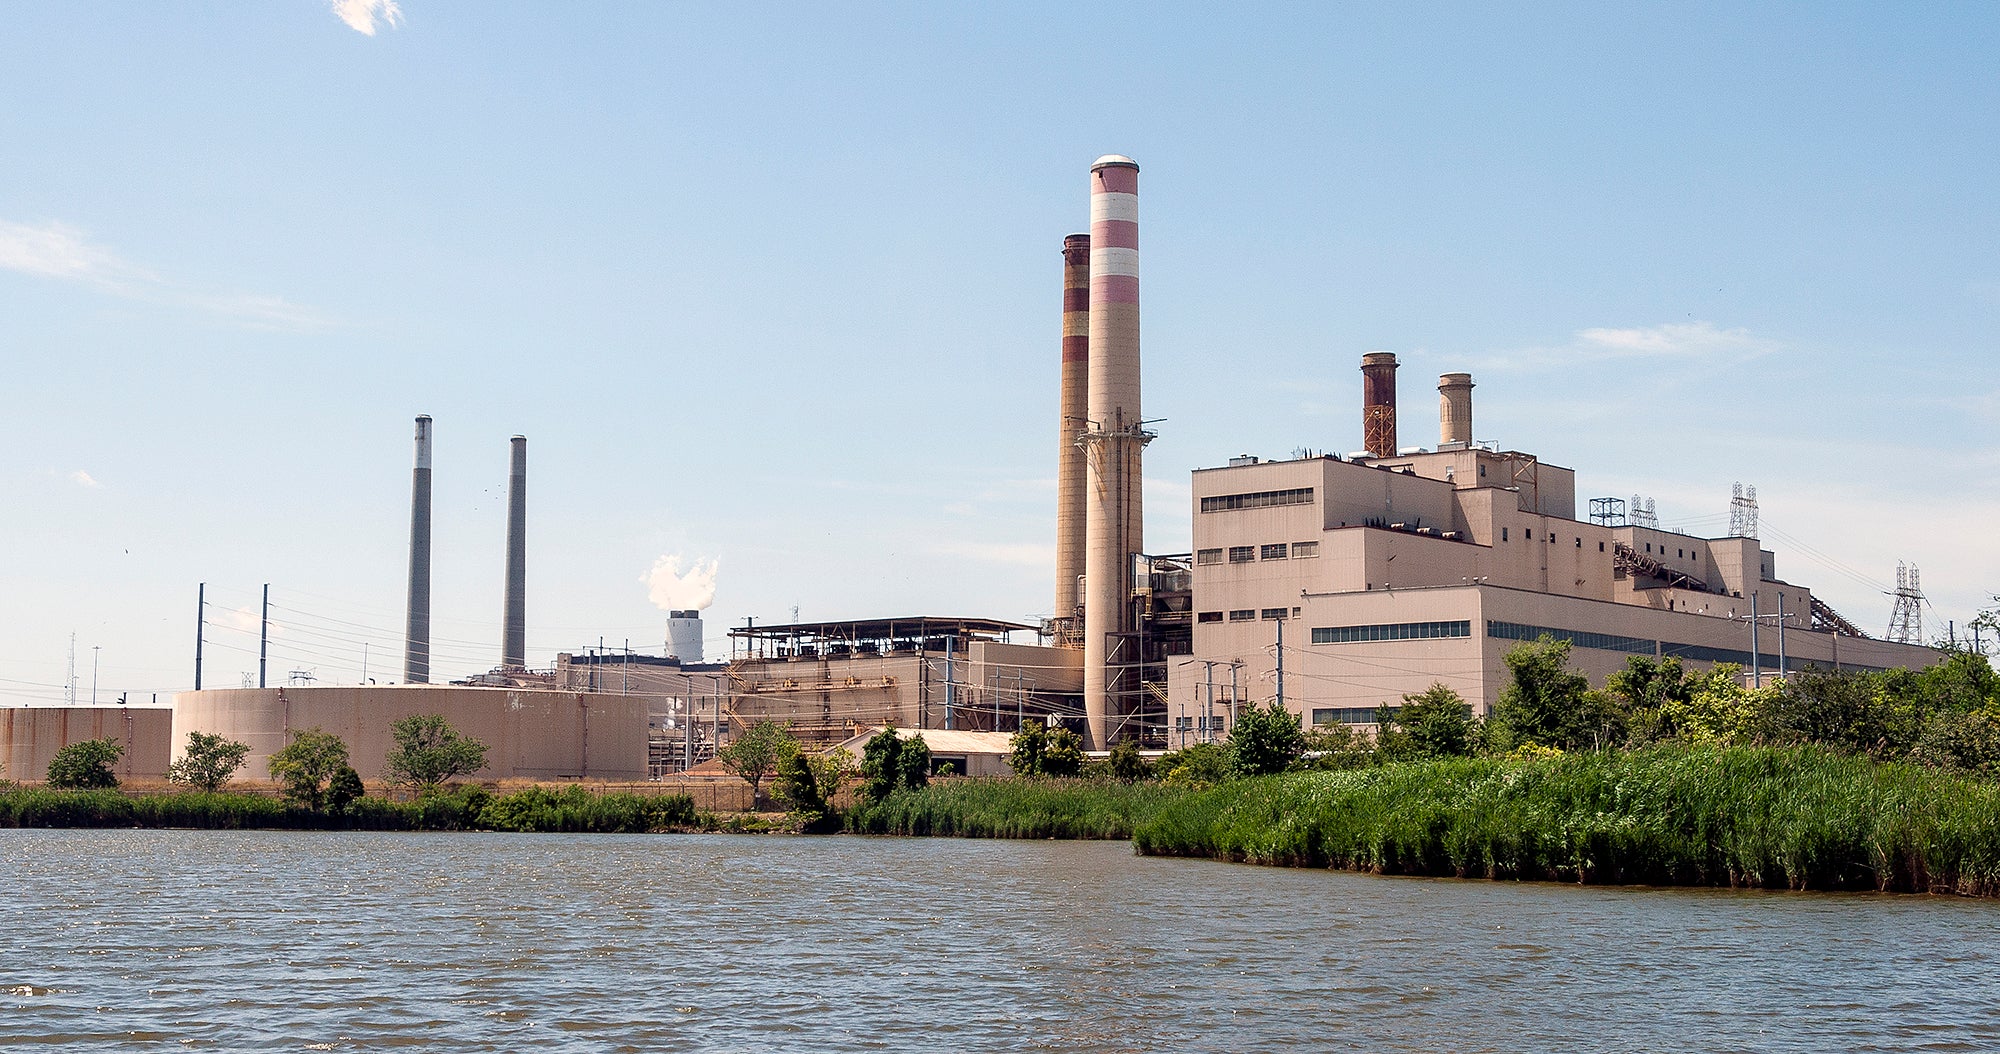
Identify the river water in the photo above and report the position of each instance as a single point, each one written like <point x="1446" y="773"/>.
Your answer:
<point x="301" y="941"/>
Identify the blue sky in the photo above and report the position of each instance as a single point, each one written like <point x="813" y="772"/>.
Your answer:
<point x="778" y="288"/>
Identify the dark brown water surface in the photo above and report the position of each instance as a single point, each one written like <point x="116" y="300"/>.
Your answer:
<point x="266" y="940"/>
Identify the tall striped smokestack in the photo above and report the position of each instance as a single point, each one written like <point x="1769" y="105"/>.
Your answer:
<point x="1075" y="408"/>
<point x="1113" y="517"/>
<point x="1378" y="403"/>
<point x="514" y="639"/>
<point x="417" y="634"/>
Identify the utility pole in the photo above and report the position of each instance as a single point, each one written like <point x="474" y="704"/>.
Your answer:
<point x="1281" y="663"/>
<point x="1234" y="665"/>
<point x="1781" y="633"/>
<point x="94" y="649"/>
<point x="1756" y="658"/>
<point x="264" y="636"/>
<point x="69" y="685"/>
<point x="200" y="628"/>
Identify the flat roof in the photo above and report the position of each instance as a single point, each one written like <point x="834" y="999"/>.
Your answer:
<point x="909" y="626"/>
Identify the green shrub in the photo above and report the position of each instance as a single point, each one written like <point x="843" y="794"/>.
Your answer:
<point x="1015" y="808"/>
<point x="86" y="765"/>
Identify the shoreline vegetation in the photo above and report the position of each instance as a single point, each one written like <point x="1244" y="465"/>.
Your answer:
<point x="470" y="808"/>
<point x="1746" y="817"/>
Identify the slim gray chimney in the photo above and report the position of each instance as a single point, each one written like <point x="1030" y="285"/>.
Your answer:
<point x="417" y="640"/>
<point x="514" y="643"/>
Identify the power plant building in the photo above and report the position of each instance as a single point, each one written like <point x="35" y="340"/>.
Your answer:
<point x="1388" y="572"/>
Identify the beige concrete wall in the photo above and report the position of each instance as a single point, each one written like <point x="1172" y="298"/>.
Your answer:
<point x="30" y="737"/>
<point x="1366" y="674"/>
<point x="528" y="734"/>
<point x="826" y="699"/>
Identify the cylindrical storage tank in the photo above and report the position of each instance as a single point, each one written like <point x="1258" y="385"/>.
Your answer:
<point x="417" y="631"/>
<point x="1455" y="409"/>
<point x="684" y="636"/>
<point x="1075" y="410"/>
<point x="1378" y="403"/>
<point x="1114" y="512"/>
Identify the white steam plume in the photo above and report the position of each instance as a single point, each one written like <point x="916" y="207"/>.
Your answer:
<point x="672" y="589"/>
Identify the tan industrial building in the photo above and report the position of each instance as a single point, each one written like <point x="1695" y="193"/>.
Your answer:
<point x="953" y="753"/>
<point x="829" y="681"/>
<point x="529" y="733"/>
<point x="30" y="736"/>
<point x="1394" y="569"/>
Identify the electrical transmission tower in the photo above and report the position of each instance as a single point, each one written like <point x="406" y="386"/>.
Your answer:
<point x="1906" y="622"/>
<point x="1643" y="513"/>
<point x="1742" y="511"/>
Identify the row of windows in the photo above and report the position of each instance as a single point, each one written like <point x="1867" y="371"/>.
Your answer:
<point x="1199" y="723"/>
<point x="1243" y="554"/>
<point x="1351" y="715"/>
<point x="1391" y="631"/>
<point x="1639" y="645"/>
<point x="1247" y="614"/>
<point x="1262" y="499"/>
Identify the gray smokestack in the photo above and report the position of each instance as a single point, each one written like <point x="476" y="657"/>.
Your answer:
<point x="514" y="646"/>
<point x="417" y="638"/>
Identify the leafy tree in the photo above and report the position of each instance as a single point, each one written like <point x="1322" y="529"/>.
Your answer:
<point x="1545" y="703"/>
<point x="755" y="754"/>
<point x="890" y="763"/>
<point x="1711" y="707"/>
<point x="1195" y="765"/>
<point x="1338" y="747"/>
<point x="344" y="789"/>
<point x="208" y="762"/>
<point x="806" y="783"/>
<point x="86" y="765"/>
<point x="307" y="764"/>
<point x="1265" y="739"/>
<point x="1126" y="764"/>
<point x="1434" y="723"/>
<point x="1650" y="690"/>
<point x="1039" y="751"/>
<point x="429" y="752"/>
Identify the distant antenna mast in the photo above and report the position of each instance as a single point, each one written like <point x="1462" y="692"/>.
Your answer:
<point x="69" y="686"/>
<point x="1906" y="622"/>
<point x="1742" y="511"/>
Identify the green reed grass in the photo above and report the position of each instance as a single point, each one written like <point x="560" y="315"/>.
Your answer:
<point x="1016" y="808"/>
<point x="1797" y="817"/>
<point x="533" y="809"/>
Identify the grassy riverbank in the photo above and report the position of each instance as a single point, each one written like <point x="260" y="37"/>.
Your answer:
<point x="466" y="809"/>
<point x="1799" y="818"/>
<point x="1016" y="808"/>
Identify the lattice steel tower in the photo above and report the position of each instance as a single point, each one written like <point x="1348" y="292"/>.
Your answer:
<point x="1742" y="511"/>
<point x="1906" y="622"/>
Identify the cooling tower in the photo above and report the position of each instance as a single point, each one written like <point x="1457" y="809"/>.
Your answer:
<point x="684" y="636"/>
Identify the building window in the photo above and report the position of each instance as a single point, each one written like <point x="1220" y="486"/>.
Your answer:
<point x="1208" y="556"/>
<point x="1579" y="543"/>
<point x="1350" y="715"/>
<point x="1391" y="631"/>
<point x="1209" y="616"/>
<point x="1305" y="550"/>
<point x="1600" y="547"/>
<point x="1242" y="554"/>
<point x="1262" y="499"/>
<point x="1275" y="613"/>
<point x="1503" y="534"/>
<point x="1243" y="615"/>
<point x="1272" y="552"/>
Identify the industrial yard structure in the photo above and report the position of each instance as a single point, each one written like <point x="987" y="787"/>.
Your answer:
<point x="1335" y="584"/>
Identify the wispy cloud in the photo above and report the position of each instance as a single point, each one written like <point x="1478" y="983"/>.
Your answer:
<point x="84" y="479"/>
<point x="60" y="252"/>
<point x="362" y="15"/>
<point x="1679" y="340"/>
